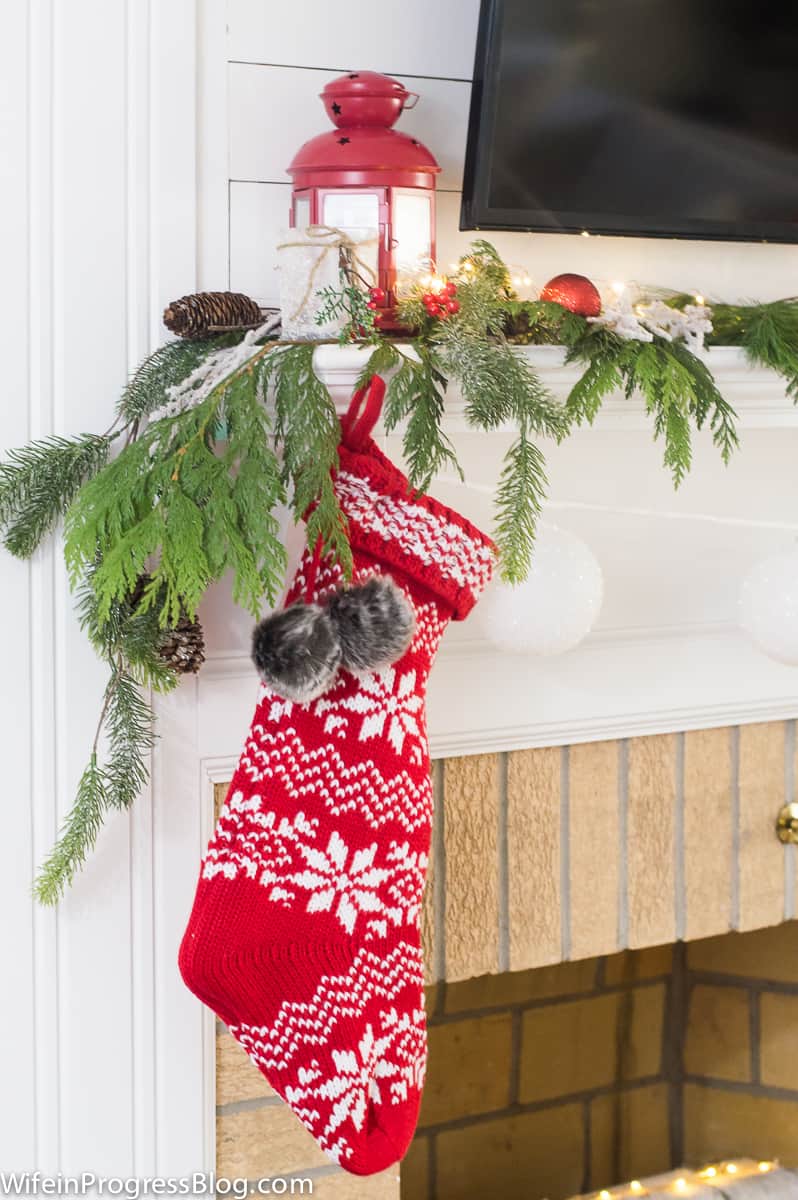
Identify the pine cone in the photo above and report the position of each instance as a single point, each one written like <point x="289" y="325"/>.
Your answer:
<point x="140" y="586"/>
<point x="183" y="647"/>
<point x="203" y="313"/>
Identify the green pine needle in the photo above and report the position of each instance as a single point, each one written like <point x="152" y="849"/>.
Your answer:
<point x="77" y="838"/>
<point x="308" y="430"/>
<point x="522" y="486"/>
<point x="38" y="481"/>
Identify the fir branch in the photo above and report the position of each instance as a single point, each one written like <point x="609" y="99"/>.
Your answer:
<point x="522" y="486"/>
<point x="129" y="724"/>
<point x="127" y="718"/>
<point x="499" y="384"/>
<point x="308" y="430"/>
<point x="38" y="481"/>
<point x="77" y="837"/>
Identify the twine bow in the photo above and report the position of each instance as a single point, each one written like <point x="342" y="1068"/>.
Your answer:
<point x="348" y="258"/>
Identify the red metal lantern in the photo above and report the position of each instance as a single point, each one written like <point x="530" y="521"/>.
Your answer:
<point x="365" y="175"/>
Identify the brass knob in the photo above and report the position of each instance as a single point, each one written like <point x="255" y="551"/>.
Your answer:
<point x="787" y="825"/>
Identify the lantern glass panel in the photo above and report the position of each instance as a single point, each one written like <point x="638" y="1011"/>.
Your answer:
<point x="412" y="230"/>
<point x="301" y="212"/>
<point x="351" y="210"/>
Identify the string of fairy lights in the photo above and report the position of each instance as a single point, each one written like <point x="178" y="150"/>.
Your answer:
<point x="689" y="1183"/>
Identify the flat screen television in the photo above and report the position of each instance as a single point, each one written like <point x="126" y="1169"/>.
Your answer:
<point x="664" y="118"/>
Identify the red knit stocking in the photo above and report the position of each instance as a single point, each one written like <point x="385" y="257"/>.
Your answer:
<point x="304" y="936"/>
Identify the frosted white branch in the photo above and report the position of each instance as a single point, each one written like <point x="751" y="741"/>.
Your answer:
<point x="212" y="371"/>
<point x="644" y="322"/>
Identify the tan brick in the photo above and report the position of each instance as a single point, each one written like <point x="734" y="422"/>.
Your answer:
<point x="629" y="1136"/>
<point x="778" y="1042"/>
<point x="762" y="779"/>
<point x="707" y="788"/>
<point x="633" y="966"/>
<point x="341" y="1185"/>
<point x="529" y="1155"/>
<point x="718" y="1042"/>
<point x="721" y="1124"/>
<point x="580" y="1045"/>
<point x="650" y="839"/>
<point x="264" y="1141"/>
<point x="220" y="791"/>
<point x="594" y="847"/>
<point x="471" y="829"/>
<point x="519" y="987"/>
<point x="533" y="844"/>
<point x="237" y="1078"/>
<point x="414" y="1170"/>
<point x="763" y="954"/>
<point x="469" y="1068"/>
<point x="431" y="999"/>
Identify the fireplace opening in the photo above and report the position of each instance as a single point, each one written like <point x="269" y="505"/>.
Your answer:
<point x="571" y="1079"/>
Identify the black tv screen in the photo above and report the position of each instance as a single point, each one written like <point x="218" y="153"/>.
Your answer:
<point x="670" y="118"/>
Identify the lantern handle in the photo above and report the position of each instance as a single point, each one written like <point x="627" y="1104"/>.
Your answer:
<point x="405" y="106"/>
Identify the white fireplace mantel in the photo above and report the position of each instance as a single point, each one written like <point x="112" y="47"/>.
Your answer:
<point x="758" y="396"/>
<point x="666" y="654"/>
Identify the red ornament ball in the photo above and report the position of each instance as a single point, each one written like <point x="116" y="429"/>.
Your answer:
<point x="574" y="292"/>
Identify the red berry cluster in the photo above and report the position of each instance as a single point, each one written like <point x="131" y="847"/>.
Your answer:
<point x="376" y="298"/>
<point x="443" y="303"/>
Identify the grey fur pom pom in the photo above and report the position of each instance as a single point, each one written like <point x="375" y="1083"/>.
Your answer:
<point x="374" y="622"/>
<point x="297" y="652"/>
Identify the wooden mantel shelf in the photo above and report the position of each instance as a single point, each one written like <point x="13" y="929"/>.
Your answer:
<point x="758" y="395"/>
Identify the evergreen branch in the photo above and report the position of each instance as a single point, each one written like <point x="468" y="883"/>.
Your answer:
<point x="382" y="360"/>
<point x="416" y="393"/>
<point x="605" y="357"/>
<point x="521" y="490"/>
<point x="307" y="428"/>
<point x="77" y="838"/>
<point x="129" y="722"/>
<point x="167" y="367"/>
<point x="769" y="336"/>
<point x="38" y="481"/>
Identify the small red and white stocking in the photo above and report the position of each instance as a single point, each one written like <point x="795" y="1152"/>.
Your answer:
<point x="304" y="936"/>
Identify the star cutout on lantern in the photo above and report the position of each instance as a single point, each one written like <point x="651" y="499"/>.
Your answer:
<point x="336" y="108"/>
<point x="343" y="141"/>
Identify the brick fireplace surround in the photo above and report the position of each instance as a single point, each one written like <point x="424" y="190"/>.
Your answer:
<point x="576" y="1041"/>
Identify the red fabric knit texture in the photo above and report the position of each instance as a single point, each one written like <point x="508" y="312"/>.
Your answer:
<point x="305" y="931"/>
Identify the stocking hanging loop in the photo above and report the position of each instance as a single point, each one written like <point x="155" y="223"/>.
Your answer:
<point x="363" y="413"/>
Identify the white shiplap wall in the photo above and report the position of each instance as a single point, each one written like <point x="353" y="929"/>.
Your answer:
<point x="97" y="231"/>
<point x="279" y="62"/>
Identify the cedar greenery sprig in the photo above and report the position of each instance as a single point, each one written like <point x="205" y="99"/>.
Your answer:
<point x="128" y="641"/>
<point x="678" y="390"/>
<point x="768" y="333"/>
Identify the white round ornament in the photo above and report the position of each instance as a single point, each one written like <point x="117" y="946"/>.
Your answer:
<point x="556" y="607"/>
<point x="768" y="606"/>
